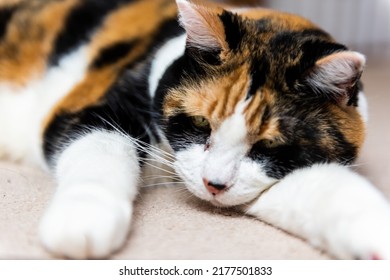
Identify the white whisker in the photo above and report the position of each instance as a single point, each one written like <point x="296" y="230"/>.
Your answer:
<point x="163" y="184"/>
<point x="160" y="168"/>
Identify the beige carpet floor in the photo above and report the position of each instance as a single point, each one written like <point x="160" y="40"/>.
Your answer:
<point x="171" y="224"/>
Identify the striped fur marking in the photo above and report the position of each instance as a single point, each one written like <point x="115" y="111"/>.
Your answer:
<point x="33" y="29"/>
<point x="122" y="30"/>
<point x="6" y="14"/>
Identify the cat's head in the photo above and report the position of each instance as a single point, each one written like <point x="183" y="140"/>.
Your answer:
<point x="260" y="95"/>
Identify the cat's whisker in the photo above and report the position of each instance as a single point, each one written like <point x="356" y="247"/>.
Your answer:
<point x="182" y="190"/>
<point x="357" y="166"/>
<point x="138" y="143"/>
<point x="160" y="168"/>
<point x="162" y="184"/>
<point x="153" y="179"/>
<point x="160" y="177"/>
<point x="144" y="145"/>
<point x="155" y="155"/>
<point x="157" y="161"/>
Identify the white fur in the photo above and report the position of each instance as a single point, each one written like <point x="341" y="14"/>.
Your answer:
<point x="333" y="208"/>
<point x="23" y="109"/>
<point x="224" y="163"/>
<point x="164" y="57"/>
<point x="90" y="214"/>
<point x="363" y="106"/>
<point x="227" y="147"/>
<point x="250" y="179"/>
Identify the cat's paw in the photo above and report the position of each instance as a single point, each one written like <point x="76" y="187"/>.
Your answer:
<point x="372" y="243"/>
<point x="85" y="223"/>
<point x="367" y="238"/>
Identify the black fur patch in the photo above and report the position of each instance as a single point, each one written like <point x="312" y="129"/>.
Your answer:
<point x="125" y="107"/>
<point x="354" y="94"/>
<point x="181" y="132"/>
<point x="234" y="32"/>
<point x="312" y="49"/>
<point x="168" y="29"/>
<point x="210" y="57"/>
<point x="303" y="133"/>
<point x="266" y="114"/>
<point x="5" y="16"/>
<point x="113" y="53"/>
<point x="184" y="67"/>
<point x="259" y="73"/>
<point x="263" y="25"/>
<point x="80" y="23"/>
<point x="171" y="78"/>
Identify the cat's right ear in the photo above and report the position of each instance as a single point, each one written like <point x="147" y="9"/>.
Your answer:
<point x="203" y="26"/>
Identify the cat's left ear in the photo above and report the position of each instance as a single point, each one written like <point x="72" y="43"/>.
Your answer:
<point x="336" y="76"/>
<point x="204" y="27"/>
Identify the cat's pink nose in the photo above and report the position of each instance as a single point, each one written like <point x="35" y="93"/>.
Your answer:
<point x="214" y="188"/>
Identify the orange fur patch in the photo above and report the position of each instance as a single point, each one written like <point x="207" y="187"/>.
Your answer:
<point x="139" y="20"/>
<point x="214" y="99"/>
<point x="217" y="99"/>
<point x="29" y="40"/>
<point x="350" y="123"/>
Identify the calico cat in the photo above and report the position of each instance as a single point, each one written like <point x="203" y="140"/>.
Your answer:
<point x="262" y="111"/>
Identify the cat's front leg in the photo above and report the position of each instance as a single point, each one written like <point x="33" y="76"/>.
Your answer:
<point x="90" y="214"/>
<point x="333" y="208"/>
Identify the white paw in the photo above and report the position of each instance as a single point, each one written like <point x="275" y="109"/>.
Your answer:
<point x="365" y="238"/>
<point x="372" y="242"/>
<point x="85" y="223"/>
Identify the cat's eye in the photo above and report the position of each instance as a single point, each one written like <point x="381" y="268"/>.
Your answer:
<point x="270" y="143"/>
<point x="200" y="122"/>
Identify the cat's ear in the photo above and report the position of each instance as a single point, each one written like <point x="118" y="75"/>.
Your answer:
<point x="336" y="76"/>
<point x="203" y="25"/>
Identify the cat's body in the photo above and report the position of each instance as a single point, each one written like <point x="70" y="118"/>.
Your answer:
<point x="261" y="109"/>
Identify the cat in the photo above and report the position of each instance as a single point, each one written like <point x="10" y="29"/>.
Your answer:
<point x="261" y="110"/>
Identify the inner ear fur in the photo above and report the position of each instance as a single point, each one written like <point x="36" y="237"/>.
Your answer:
<point x="202" y="24"/>
<point x="336" y="76"/>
